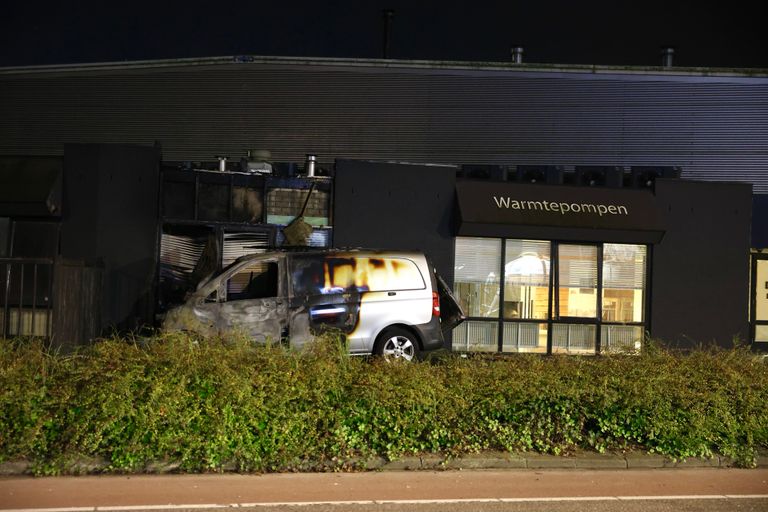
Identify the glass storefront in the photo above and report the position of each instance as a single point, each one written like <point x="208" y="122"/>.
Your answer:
<point x="549" y="297"/>
<point x="760" y="299"/>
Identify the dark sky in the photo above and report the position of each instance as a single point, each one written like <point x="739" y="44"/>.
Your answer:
<point x="621" y="32"/>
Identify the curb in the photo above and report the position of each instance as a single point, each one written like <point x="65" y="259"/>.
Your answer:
<point x="589" y="461"/>
<point x="486" y="460"/>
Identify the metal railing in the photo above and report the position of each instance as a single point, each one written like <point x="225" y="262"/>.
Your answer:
<point x="26" y="297"/>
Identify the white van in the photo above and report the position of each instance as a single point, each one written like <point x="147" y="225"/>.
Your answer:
<point x="385" y="302"/>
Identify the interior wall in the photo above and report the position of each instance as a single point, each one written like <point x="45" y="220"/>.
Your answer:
<point x="5" y="236"/>
<point x="38" y="238"/>
<point x="760" y="221"/>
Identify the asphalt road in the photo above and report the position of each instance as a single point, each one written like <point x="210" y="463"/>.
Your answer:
<point x="511" y="490"/>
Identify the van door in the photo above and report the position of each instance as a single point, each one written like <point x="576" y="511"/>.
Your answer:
<point x="451" y="313"/>
<point x="317" y="303"/>
<point x="251" y="301"/>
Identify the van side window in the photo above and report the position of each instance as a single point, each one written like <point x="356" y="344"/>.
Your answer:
<point x="324" y="275"/>
<point x="385" y="274"/>
<point x="256" y="281"/>
<point x="308" y="275"/>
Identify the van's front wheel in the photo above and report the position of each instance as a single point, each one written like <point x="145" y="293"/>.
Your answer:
<point x="396" y="344"/>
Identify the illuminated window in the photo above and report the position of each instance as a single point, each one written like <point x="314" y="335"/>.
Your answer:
<point x="476" y="276"/>
<point x="759" y="310"/>
<point x="556" y="297"/>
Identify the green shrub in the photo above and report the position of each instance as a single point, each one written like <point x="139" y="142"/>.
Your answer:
<point x="214" y="404"/>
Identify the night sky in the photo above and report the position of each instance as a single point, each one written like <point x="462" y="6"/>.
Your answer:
<point x="733" y="34"/>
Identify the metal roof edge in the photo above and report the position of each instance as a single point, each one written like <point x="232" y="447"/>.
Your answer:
<point x="727" y="183"/>
<point x="400" y="162"/>
<point x="656" y="72"/>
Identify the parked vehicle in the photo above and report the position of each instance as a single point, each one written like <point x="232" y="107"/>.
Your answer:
<point x="386" y="303"/>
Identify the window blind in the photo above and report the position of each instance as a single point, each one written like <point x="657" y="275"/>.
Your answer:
<point x="179" y="255"/>
<point x="578" y="266"/>
<point x="527" y="262"/>
<point x="241" y="244"/>
<point x="477" y="260"/>
<point x="624" y="266"/>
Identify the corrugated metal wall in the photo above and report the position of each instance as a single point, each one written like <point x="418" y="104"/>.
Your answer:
<point x="714" y="127"/>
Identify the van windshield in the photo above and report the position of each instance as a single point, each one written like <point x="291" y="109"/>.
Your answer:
<point x="318" y="275"/>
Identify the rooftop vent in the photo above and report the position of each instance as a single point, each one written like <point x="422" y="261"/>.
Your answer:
<point x="517" y="54"/>
<point x="259" y="161"/>
<point x="645" y="177"/>
<point x="667" y="54"/>
<point x="387" y="14"/>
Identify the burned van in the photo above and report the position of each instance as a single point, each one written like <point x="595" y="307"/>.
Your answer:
<point x="385" y="303"/>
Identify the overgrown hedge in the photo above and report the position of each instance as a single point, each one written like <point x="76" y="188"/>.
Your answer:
<point x="213" y="404"/>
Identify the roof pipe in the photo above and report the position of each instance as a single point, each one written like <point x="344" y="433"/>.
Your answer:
<point x="388" y="14"/>
<point x="667" y="54"/>
<point x="517" y="54"/>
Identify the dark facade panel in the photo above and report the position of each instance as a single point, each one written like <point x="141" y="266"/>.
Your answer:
<point x="714" y="127"/>
<point x="391" y="206"/>
<point x="111" y="214"/>
<point x="700" y="285"/>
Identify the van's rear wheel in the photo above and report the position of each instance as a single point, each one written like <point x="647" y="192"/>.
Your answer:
<point x="396" y="344"/>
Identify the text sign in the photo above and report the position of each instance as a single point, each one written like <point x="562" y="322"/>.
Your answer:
<point x="559" y="206"/>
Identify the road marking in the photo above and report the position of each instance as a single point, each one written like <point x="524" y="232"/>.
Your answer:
<point x="390" y="502"/>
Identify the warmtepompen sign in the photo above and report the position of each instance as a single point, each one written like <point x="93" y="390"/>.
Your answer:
<point x="563" y="207"/>
<point x="494" y="203"/>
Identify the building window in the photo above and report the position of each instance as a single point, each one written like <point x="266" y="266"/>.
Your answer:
<point x="526" y="279"/>
<point x="556" y="297"/>
<point x="477" y="287"/>
<point x="759" y="307"/>
<point x="476" y="277"/>
<point x="577" y="281"/>
<point x="623" y="296"/>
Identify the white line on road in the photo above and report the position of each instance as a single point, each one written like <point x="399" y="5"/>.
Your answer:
<point x="380" y="502"/>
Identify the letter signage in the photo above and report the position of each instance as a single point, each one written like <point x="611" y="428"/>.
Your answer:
<point x="515" y="204"/>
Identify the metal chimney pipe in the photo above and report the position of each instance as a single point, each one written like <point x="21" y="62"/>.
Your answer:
<point x="222" y="163"/>
<point x="517" y="54"/>
<point x="388" y="14"/>
<point x="309" y="166"/>
<point x="667" y="54"/>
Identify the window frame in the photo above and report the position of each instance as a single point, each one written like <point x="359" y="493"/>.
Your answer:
<point x="553" y="318"/>
<point x="215" y="291"/>
<point x="272" y="270"/>
<point x="754" y="290"/>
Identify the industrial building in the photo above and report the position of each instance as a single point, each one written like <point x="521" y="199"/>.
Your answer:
<point x="573" y="209"/>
